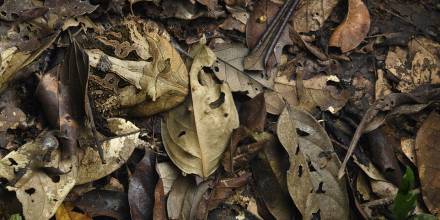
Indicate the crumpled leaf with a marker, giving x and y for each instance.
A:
(349, 34)
(116, 151)
(312, 179)
(196, 134)
(317, 93)
(12, 59)
(311, 15)
(41, 194)
(230, 69)
(427, 161)
(160, 75)
(60, 10)
(104, 203)
(141, 188)
(13, 10)
(421, 68)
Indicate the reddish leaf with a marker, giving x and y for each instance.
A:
(160, 202)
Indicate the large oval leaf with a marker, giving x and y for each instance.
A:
(312, 177)
(196, 134)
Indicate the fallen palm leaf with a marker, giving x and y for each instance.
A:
(196, 134)
(312, 178)
(354, 29)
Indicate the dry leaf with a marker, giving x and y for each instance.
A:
(168, 173)
(12, 59)
(354, 29)
(427, 149)
(116, 151)
(230, 69)
(424, 65)
(311, 15)
(177, 196)
(312, 179)
(11, 117)
(196, 134)
(105, 203)
(317, 93)
(160, 75)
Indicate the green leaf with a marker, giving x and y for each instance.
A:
(406, 198)
(424, 216)
(15, 217)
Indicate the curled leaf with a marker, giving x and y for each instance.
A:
(354, 29)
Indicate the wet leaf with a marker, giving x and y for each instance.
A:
(312, 178)
(196, 134)
(104, 203)
(426, 148)
(349, 34)
(141, 188)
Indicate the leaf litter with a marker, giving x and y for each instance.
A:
(205, 109)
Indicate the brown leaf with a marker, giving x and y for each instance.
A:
(252, 113)
(105, 203)
(311, 15)
(268, 170)
(11, 117)
(349, 34)
(222, 190)
(141, 188)
(65, 212)
(176, 196)
(427, 149)
(62, 91)
(312, 178)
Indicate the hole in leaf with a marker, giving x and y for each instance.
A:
(302, 133)
(225, 115)
(181, 133)
(310, 165)
(320, 188)
(221, 99)
(300, 170)
(3, 13)
(216, 69)
(55, 178)
(150, 59)
(14, 16)
(297, 150)
(30, 191)
(13, 162)
(316, 215)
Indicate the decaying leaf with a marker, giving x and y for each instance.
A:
(312, 179)
(104, 203)
(159, 80)
(427, 161)
(116, 151)
(41, 194)
(11, 117)
(196, 134)
(417, 66)
(354, 29)
(311, 15)
(141, 188)
(317, 93)
(230, 69)
(12, 59)
(269, 172)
